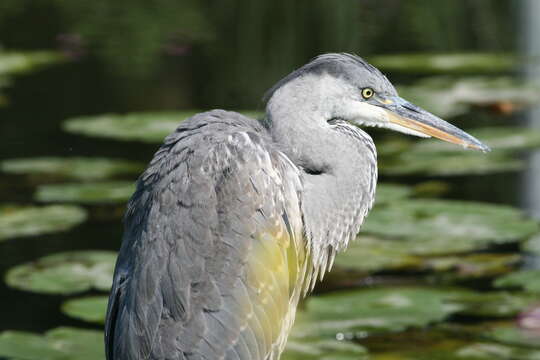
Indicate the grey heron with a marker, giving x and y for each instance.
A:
(235, 219)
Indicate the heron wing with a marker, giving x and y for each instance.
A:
(212, 260)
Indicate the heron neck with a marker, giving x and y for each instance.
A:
(339, 172)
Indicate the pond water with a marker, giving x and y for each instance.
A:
(426, 279)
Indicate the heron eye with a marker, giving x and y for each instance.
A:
(367, 93)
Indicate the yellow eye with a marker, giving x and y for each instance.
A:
(367, 93)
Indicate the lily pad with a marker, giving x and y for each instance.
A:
(500, 139)
(57, 344)
(532, 245)
(18, 221)
(65, 273)
(473, 265)
(494, 351)
(76, 168)
(512, 335)
(444, 63)
(443, 227)
(317, 349)
(368, 253)
(460, 350)
(391, 192)
(12, 63)
(447, 96)
(91, 308)
(357, 313)
(492, 304)
(149, 127)
(528, 280)
(449, 164)
(86, 193)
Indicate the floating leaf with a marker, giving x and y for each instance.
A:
(86, 193)
(91, 308)
(442, 227)
(529, 280)
(447, 96)
(512, 335)
(444, 63)
(438, 158)
(76, 168)
(318, 349)
(17, 221)
(62, 343)
(148, 127)
(12, 63)
(374, 310)
(449, 164)
(492, 303)
(500, 139)
(532, 245)
(493, 351)
(473, 265)
(65, 273)
(368, 253)
(391, 192)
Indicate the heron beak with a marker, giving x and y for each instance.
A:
(404, 114)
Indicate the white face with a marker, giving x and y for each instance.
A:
(364, 106)
(325, 97)
(346, 102)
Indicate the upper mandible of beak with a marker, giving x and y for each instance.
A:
(407, 115)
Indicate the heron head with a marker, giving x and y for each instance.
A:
(346, 87)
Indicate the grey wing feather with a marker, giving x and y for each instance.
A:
(212, 215)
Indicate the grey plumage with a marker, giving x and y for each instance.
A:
(233, 220)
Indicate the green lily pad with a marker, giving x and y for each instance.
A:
(444, 63)
(149, 127)
(443, 227)
(449, 164)
(500, 139)
(18, 221)
(460, 350)
(357, 313)
(86, 193)
(447, 96)
(391, 192)
(512, 335)
(317, 349)
(65, 273)
(62, 343)
(76, 168)
(12, 63)
(493, 304)
(493, 351)
(532, 245)
(90, 308)
(473, 265)
(368, 253)
(528, 280)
